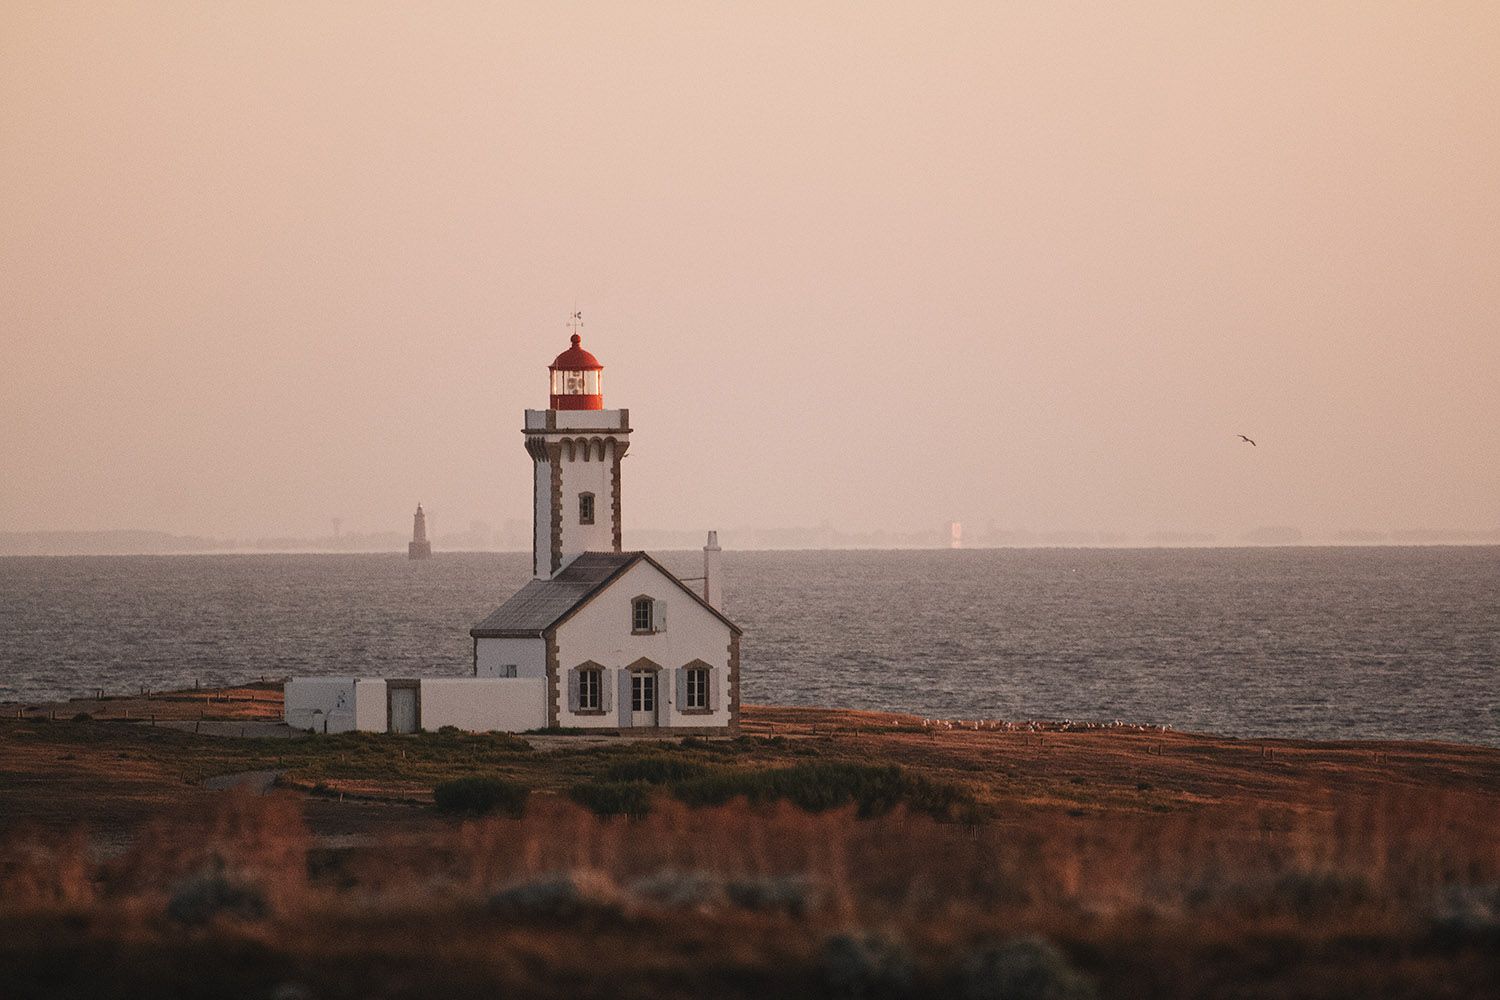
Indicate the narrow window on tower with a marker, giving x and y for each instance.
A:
(585, 508)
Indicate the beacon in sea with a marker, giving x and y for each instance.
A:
(419, 547)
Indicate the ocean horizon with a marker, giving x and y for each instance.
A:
(1365, 642)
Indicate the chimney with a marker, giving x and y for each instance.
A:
(713, 573)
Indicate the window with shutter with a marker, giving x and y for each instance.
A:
(695, 688)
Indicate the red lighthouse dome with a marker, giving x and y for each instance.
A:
(577, 379)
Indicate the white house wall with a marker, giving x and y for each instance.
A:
(528, 655)
(601, 632)
(483, 705)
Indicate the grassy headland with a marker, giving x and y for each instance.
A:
(822, 852)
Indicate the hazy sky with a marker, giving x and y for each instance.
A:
(266, 264)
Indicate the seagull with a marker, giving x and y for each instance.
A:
(1252, 443)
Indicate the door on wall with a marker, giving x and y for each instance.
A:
(403, 706)
(643, 698)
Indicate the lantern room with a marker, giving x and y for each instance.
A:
(577, 379)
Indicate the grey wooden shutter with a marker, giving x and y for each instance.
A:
(659, 622)
(681, 686)
(573, 690)
(624, 698)
(606, 691)
(713, 689)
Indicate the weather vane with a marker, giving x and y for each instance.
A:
(575, 321)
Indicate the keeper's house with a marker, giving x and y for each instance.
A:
(599, 639)
(623, 645)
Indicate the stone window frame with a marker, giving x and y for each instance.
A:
(708, 707)
(600, 673)
(586, 508)
(653, 623)
(697, 687)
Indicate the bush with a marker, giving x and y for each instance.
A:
(478, 795)
(1467, 914)
(83, 717)
(681, 890)
(865, 966)
(1311, 895)
(819, 786)
(198, 899)
(789, 894)
(613, 798)
(1022, 969)
(656, 769)
(565, 895)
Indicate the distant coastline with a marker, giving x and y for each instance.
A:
(141, 542)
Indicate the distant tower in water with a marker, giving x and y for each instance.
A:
(419, 547)
(955, 535)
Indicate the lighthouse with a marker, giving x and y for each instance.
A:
(600, 639)
(575, 447)
(419, 547)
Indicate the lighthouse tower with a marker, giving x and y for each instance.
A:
(419, 547)
(575, 446)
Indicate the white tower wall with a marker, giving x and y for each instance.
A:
(575, 453)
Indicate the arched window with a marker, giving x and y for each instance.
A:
(585, 508)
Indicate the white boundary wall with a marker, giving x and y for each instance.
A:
(335, 704)
(372, 711)
(484, 704)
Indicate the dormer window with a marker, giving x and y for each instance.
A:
(585, 508)
(643, 616)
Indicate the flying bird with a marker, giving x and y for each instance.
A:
(1252, 443)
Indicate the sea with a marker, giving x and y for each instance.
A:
(1275, 642)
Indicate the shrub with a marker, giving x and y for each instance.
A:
(789, 894)
(1466, 914)
(819, 786)
(564, 895)
(613, 798)
(687, 890)
(198, 899)
(1315, 894)
(655, 769)
(83, 717)
(865, 966)
(1022, 969)
(478, 795)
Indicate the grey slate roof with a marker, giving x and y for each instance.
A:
(541, 604)
(537, 605)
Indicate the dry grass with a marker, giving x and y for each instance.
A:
(1146, 904)
(1161, 864)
